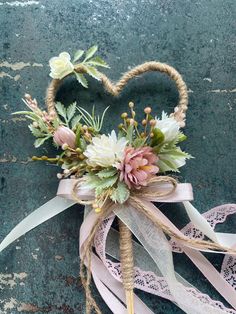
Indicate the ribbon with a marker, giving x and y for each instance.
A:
(182, 293)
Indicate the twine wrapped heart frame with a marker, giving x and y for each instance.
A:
(136, 214)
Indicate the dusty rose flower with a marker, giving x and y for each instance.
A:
(64, 135)
(138, 166)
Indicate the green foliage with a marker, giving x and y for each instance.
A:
(71, 111)
(172, 159)
(182, 137)
(97, 61)
(107, 173)
(130, 132)
(78, 55)
(121, 193)
(30, 114)
(75, 121)
(90, 52)
(158, 137)
(35, 131)
(105, 183)
(41, 132)
(91, 120)
(92, 181)
(90, 64)
(61, 110)
(81, 79)
(66, 113)
(39, 141)
(100, 184)
(139, 142)
(93, 72)
(78, 136)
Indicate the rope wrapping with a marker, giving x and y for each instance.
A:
(115, 89)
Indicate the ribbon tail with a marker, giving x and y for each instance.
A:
(115, 294)
(200, 222)
(154, 241)
(50, 209)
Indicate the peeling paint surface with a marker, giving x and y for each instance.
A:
(40, 272)
(19, 65)
(20, 3)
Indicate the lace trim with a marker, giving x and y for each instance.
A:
(214, 216)
(149, 282)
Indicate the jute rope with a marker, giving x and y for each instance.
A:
(115, 89)
(85, 271)
(127, 264)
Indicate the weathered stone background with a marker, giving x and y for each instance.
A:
(39, 273)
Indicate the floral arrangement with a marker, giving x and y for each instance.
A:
(124, 174)
(111, 164)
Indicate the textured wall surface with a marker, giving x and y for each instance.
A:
(39, 273)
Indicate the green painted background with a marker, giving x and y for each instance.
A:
(39, 273)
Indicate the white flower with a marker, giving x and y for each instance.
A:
(105, 151)
(61, 66)
(168, 126)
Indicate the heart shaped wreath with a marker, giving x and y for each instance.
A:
(121, 175)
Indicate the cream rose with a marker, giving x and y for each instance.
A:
(61, 66)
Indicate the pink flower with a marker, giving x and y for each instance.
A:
(64, 135)
(138, 166)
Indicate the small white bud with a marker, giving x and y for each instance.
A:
(64, 146)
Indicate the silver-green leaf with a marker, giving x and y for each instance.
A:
(81, 79)
(107, 173)
(105, 183)
(78, 55)
(121, 193)
(90, 52)
(71, 111)
(36, 132)
(40, 141)
(93, 72)
(75, 121)
(97, 61)
(61, 110)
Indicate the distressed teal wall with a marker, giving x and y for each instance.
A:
(39, 273)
